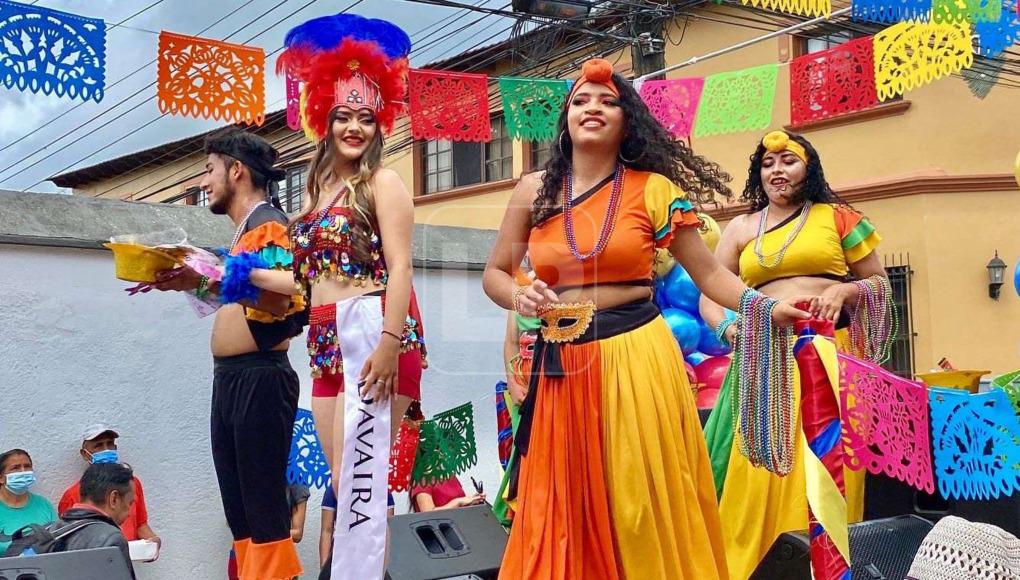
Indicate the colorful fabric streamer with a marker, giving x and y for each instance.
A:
(52, 52)
(993, 38)
(952, 11)
(531, 107)
(200, 77)
(446, 446)
(911, 54)
(975, 443)
(886, 423)
(402, 454)
(293, 89)
(805, 7)
(307, 464)
(737, 101)
(449, 106)
(833, 82)
(815, 354)
(504, 427)
(891, 11)
(674, 102)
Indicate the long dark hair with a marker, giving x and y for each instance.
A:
(648, 144)
(815, 188)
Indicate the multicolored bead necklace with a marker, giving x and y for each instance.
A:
(763, 410)
(875, 321)
(607, 225)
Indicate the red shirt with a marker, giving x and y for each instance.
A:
(138, 516)
(442, 493)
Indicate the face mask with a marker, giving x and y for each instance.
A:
(18, 483)
(108, 456)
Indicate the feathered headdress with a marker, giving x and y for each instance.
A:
(348, 60)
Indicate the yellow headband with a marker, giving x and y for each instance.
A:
(778, 141)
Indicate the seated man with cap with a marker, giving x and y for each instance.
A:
(99, 445)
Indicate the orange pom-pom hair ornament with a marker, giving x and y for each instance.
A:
(347, 60)
(596, 70)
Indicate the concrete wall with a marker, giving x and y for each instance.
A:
(77, 349)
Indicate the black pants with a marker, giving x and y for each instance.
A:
(254, 401)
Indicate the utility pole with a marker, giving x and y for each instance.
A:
(648, 52)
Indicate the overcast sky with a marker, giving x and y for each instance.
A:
(129, 49)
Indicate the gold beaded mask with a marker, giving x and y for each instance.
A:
(566, 322)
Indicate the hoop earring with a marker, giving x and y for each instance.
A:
(559, 143)
(626, 161)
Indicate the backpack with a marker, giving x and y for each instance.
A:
(36, 539)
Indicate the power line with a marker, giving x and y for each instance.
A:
(107, 146)
(110, 86)
(182, 145)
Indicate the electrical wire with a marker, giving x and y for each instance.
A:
(107, 146)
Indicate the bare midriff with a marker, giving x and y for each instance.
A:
(231, 336)
(806, 286)
(605, 296)
(331, 291)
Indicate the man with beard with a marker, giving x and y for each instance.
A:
(255, 390)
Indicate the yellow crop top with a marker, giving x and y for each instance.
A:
(833, 237)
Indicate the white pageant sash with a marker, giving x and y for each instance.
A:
(359, 547)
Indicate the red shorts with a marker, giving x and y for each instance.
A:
(326, 352)
(408, 378)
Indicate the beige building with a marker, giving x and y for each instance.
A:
(933, 170)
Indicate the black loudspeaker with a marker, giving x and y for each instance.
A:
(95, 564)
(446, 543)
(1003, 512)
(879, 550)
(885, 497)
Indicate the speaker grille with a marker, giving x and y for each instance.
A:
(886, 546)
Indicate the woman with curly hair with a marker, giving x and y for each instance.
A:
(798, 238)
(614, 479)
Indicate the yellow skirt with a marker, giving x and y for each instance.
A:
(757, 506)
(617, 481)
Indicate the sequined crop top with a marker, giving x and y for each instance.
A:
(323, 251)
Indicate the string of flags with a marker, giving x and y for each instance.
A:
(964, 444)
(48, 51)
(425, 452)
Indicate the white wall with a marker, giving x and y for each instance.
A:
(76, 349)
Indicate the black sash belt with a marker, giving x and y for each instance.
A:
(546, 362)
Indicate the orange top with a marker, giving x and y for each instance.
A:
(651, 209)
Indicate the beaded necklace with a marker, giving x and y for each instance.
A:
(317, 223)
(244, 222)
(875, 320)
(763, 410)
(607, 225)
(770, 261)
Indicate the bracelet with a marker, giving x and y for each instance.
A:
(516, 299)
(722, 327)
(394, 335)
(203, 288)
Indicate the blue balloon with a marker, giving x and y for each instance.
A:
(685, 329)
(680, 290)
(696, 358)
(1016, 279)
(711, 345)
(660, 294)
